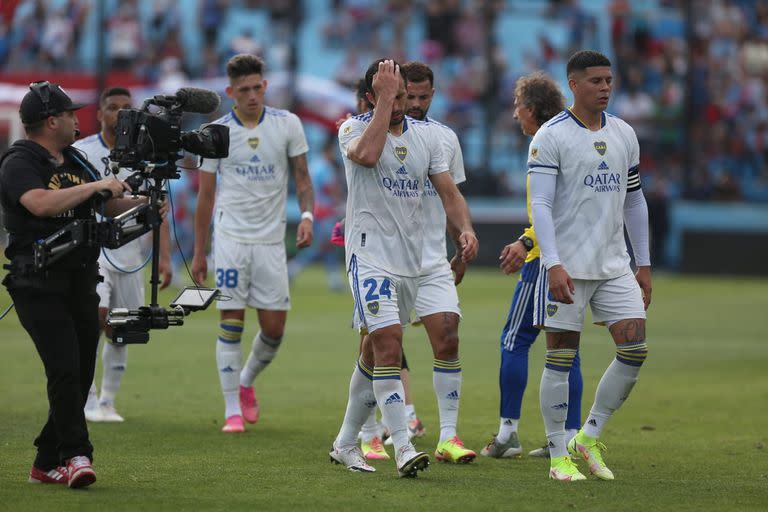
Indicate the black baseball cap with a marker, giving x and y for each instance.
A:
(45, 99)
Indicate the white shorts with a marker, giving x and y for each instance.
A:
(381, 299)
(437, 293)
(120, 290)
(252, 274)
(611, 300)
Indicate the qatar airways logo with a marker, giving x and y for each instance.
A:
(401, 187)
(257, 172)
(429, 190)
(603, 180)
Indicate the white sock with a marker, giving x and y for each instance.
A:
(228, 356)
(553, 399)
(370, 428)
(389, 392)
(446, 379)
(262, 353)
(507, 427)
(113, 358)
(410, 411)
(570, 434)
(614, 387)
(361, 405)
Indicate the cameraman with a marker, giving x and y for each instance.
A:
(44, 186)
(121, 287)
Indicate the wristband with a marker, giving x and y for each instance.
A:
(307, 215)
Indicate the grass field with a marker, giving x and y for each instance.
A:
(692, 437)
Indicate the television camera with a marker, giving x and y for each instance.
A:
(149, 143)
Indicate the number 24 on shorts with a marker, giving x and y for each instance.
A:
(370, 285)
(226, 278)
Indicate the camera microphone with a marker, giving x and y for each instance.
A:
(201, 101)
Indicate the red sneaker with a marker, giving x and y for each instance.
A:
(57, 475)
(81, 473)
(249, 404)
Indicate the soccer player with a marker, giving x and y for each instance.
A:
(437, 302)
(585, 189)
(372, 432)
(123, 285)
(537, 99)
(388, 159)
(249, 224)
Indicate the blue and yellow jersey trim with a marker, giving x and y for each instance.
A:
(582, 123)
(239, 121)
(104, 142)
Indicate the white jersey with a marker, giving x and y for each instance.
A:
(131, 255)
(433, 254)
(384, 225)
(594, 170)
(253, 179)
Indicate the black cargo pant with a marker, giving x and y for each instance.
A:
(59, 310)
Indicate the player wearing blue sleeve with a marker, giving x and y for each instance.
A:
(585, 190)
(249, 225)
(537, 100)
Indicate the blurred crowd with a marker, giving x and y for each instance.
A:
(477, 49)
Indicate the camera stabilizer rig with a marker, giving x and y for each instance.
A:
(150, 144)
(129, 325)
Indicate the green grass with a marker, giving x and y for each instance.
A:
(692, 436)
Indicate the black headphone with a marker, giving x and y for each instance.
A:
(43, 91)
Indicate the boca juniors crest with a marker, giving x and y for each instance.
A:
(373, 307)
(600, 147)
(401, 152)
(253, 142)
(551, 309)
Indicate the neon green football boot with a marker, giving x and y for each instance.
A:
(590, 449)
(452, 450)
(563, 469)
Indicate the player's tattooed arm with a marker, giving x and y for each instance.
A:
(306, 197)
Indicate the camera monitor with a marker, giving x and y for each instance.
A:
(195, 299)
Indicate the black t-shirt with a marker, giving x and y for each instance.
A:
(27, 166)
